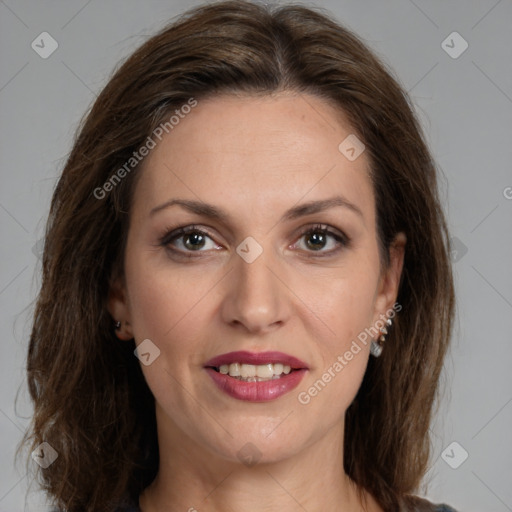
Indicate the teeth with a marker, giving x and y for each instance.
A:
(253, 373)
(278, 368)
(247, 370)
(234, 370)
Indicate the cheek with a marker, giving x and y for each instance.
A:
(173, 308)
(343, 350)
(344, 307)
(344, 304)
(169, 308)
(161, 297)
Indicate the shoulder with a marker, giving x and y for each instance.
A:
(417, 504)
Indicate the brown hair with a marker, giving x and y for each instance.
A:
(92, 404)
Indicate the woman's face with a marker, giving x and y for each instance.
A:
(253, 176)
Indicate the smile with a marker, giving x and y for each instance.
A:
(256, 377)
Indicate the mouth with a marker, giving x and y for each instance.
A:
(256, 377)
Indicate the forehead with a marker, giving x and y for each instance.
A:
(255, 152)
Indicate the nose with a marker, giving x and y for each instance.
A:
(256, 297)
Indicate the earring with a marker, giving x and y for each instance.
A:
(117, 325)
(376, 347)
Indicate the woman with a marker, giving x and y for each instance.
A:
(246, 295)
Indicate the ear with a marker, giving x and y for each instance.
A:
(389, 281)
(119, 308)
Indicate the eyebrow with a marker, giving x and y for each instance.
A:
(301, 210)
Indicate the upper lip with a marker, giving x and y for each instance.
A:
(256, 358)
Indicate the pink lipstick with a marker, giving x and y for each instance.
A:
(256, 376)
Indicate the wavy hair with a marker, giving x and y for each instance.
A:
(91, 402)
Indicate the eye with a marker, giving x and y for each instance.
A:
(188, 239)
(322, 240)
(185, 241)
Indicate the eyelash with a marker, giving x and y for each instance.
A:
(172, 235)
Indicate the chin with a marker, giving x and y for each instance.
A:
(267, 442)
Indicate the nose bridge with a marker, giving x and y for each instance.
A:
(256, 298)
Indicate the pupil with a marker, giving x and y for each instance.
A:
(318, 238)
(194, 241)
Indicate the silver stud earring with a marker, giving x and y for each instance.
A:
(376, 346)
(117, 325)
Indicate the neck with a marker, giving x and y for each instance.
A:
(191, 478)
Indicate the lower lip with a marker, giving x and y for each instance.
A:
(262, 391)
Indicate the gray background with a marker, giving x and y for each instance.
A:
(465, 105)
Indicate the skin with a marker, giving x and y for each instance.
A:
(254, 157)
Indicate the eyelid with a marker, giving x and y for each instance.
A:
(327, 228)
